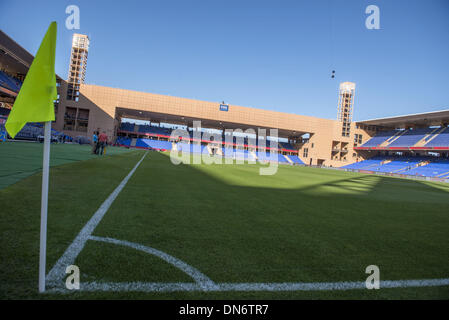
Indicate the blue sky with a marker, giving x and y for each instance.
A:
(275, 55)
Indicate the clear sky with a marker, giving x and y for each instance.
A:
(275, 55)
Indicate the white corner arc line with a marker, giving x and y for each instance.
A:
(204, 282)
(57, 273)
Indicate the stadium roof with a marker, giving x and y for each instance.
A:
(205, 122)
(13, 57)
(434, 118)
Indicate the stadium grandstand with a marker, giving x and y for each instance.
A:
(409, 145)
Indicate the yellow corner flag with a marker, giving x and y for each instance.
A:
(34, 103)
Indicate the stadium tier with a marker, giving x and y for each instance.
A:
(379, 138)
(123, 141)
(282, 159)
(286, 146)
(4, 112)
(435, 168)
(154, 144)
(366, 164)
(9, 82)
(295, 159)
(410, 137)
(441, 140)
(148, 130)
(416, 166)
(238, 154)
(226, 152)
(419, 138)
(127, 126)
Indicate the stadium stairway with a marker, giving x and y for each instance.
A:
(434, 168)
(392, 139)
(282, 159)
(408, 168)
(410, 137)
(441, 138)
(387, 142)
(428, 137)
(133, 142)
(443, 175)
(288, 159)
(295, 159)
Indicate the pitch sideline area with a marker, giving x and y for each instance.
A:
(21, 159)
(303, 224)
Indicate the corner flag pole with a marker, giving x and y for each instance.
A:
(35, 103)
(44, 206)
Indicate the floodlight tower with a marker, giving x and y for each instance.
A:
(77, 66)
(345, 106)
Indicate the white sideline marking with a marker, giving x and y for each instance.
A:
(276, 287)
(202, 280)
(57, 273)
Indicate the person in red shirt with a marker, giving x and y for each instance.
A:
(103, 140)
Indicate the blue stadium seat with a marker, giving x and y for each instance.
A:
(9, 82)
(410, 138)
(296, 159)
(379, 138)
(286, 146)
(441, 140)
(154, 144)
(127, 126)
(428, 166)
(124, 141)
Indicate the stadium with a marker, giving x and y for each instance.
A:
(345, 195)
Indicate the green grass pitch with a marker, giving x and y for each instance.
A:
(300, 225)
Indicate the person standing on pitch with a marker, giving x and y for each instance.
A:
(94, 142)
(103, 139)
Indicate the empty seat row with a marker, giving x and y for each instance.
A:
(441, 140)
(154, 144)
(379, 138)
(9, 82)
(410, 137)
(295, 159)
(422, 166)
